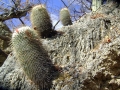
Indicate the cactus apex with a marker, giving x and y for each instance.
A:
(39, 6)
(65, 9)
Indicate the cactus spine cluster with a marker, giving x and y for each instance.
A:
(65, 17)
(33, 58)
(40, 20)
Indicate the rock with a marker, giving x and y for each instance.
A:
(12, 76)
(88, 52)
(5, 36)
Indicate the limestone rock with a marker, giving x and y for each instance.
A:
(88, 52)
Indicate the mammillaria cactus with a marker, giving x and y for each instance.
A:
(33, 58)
(41, 21)
(65, 17)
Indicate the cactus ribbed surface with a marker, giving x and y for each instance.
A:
(96, 4)
(40, 20)
(33, 58)
(65, 17)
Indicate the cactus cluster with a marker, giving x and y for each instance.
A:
(28, 49)
(65, 17)
(32, 57)
(41, 21)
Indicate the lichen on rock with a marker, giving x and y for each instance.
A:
(88, 52)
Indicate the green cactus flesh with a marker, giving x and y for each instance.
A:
(32, 57)
(40, 20)
(65, 17)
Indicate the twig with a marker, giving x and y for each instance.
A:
(21, 21)
(85, 5)
(71, 3)
(6, 4)
(14, 14)
(17, 4)
(64, 3)
(56, 24)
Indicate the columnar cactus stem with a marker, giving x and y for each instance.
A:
(65, 17)
(33, 58)
(96, 4)
(41, 21)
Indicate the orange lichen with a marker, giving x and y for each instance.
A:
(97, 15)
(106, 39)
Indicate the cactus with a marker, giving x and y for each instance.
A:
(65, 17)
(96, 4)
(33, 58)
(41, 21)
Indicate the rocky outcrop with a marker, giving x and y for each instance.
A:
(5, 36)
(88, 52)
